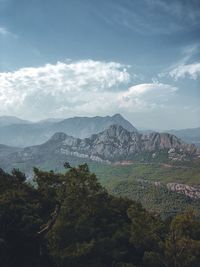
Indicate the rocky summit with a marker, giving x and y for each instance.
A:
(19, 133)
(109, 146)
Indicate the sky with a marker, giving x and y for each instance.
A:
(66, 58)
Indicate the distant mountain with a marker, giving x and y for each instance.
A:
(26, 134)
(5, 151)
(86, 126)
(50, 120)
(9, 120)
(112, 145)
(188, 135)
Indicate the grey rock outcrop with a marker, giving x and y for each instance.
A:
(190, 191)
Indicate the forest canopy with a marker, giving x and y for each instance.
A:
(69, 219)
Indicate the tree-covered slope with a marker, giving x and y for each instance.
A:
(69, 220)
(147, 183)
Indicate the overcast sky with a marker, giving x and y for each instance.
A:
(64, 58)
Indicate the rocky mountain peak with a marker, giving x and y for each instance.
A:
(120, 120)
(111, 145)
(116, 135)
(118, 116)
(59, 137)
(23, 134)
(116, 130)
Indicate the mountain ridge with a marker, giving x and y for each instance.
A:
(22, 135)
(190, 135)
(10, 120)
(109, 146)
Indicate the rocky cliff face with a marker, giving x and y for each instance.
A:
(111, 145)
(117, 143)
(190, 191)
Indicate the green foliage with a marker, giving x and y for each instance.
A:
(110, 175)
(69, 220)
(183, 241)
(92, 226)
(157, 199)
(137, 182)
(20, 218)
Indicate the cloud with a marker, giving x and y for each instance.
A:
(184, 11)
(190, 70)
(3, 31)
(185, 66)
(190, 51)
(143, 97)
(54, 87)
(155, 17)
(77, 88)
(6, 33)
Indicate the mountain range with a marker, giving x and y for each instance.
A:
(109, 146)
(20, 133)
(106, 143)
(188, 135)
(9, 120)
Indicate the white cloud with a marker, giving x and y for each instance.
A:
(77, 89)
(55, 87)
(184, 66)
(190, 70)
(143, 97)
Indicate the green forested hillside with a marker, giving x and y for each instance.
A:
(69, 220)
(156, 199)
(110, 174)
(137, 182)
